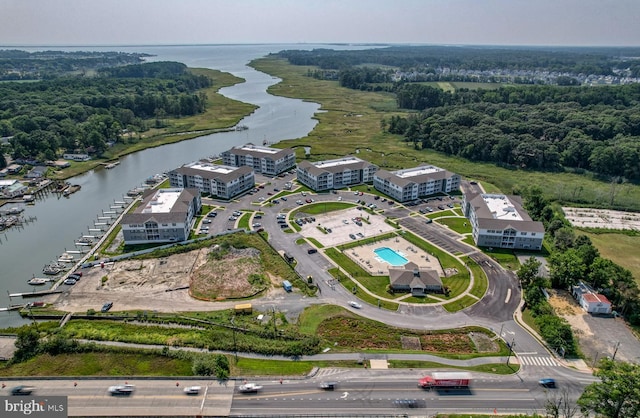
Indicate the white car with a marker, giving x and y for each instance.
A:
(249, 388)
(354, 304)
(192, 390)
(122, 389)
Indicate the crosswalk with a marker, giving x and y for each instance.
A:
(538, 361)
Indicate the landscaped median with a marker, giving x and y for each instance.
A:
(55, 351)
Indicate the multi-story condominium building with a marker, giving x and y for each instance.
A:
(220, 181)
(265, 160)
(500, 221)
(165, 215)
(335, 174)
(413, 183)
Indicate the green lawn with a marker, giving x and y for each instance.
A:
(460, 225)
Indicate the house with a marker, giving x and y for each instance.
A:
(220, 181)
(265, 160)
(413, 183)
(165, 215)
(12, 188)
(590, 300)
(37, 172)
(335, 174)
(14, 168)
(411, 278)
(500, 221)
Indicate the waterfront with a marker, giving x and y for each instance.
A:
(59, 221)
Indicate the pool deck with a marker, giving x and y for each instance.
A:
(367, 258)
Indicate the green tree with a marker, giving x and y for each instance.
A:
(222, 368)
(27, 345)
(566, 269)
(528, 271)
(617, 394)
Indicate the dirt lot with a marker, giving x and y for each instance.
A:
(597, 336)
(601, 218)
(161, 284)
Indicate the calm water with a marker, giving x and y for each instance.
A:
(58, 222)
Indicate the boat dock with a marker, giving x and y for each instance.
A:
(109, 166)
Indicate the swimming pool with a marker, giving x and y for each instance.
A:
(390, 256)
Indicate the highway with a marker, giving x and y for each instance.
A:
(373, 392)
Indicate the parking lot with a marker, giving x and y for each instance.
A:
(601, 218)
(342, 226)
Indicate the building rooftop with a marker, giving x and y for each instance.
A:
(417, 171)
(337, 162)
(212, 168)
(501, 207)
(258, 148)
(162, 201)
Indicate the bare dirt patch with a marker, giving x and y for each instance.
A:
(237, 274)
(410, 343)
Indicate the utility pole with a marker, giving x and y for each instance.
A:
(235, 347)
(615, 350)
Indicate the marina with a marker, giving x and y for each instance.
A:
(60, 221)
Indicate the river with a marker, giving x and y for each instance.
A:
(56, 222)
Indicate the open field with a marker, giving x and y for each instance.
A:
(619, 248)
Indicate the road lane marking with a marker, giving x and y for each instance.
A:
(506, 300)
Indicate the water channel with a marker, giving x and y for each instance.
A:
(57, 222)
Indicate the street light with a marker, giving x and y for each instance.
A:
(513, 344)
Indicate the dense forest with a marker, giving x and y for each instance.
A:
(566, 124)
(86, 114)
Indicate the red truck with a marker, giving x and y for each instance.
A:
(446, 380)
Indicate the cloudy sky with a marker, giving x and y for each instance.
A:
(151, 22)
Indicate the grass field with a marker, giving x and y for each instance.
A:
(620, 248)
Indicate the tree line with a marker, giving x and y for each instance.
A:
(596, 129)
(574, 60)
(86, 114)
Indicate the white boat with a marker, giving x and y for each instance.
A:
(51, 270)
(65, 256)
(37, 281)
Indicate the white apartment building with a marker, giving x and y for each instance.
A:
(265, 160)
(500, 221)
(335, 174)
(413, 183)
(221, 181)
(165, 215)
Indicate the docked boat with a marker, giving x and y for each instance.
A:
(71, 189)
(54, 268)
(37, 281)
(66, 258)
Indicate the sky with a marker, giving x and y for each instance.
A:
(461, 22)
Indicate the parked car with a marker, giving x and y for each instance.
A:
(206, 221)
(192, 390)
(106, 307)
(352, 236)
(74, 277)
(212, 214)
(284, 198)
(22, 390)
(70, 282)
(428, 221)
(122, 389)
(312, 251)
(354, 304)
